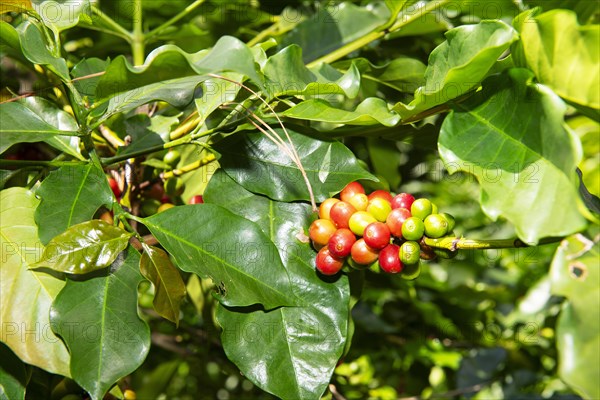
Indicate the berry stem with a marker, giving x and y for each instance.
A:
(456, 243)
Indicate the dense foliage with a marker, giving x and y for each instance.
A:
(162, 161)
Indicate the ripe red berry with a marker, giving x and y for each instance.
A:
(197, 199)
(114, 186)
(395, 220)
(377, 235)
(350, 190)
(382, 194)
(327, 264)
(403, 200)
(363, 254)
(389, 259)
(340, 243)
(340, 214)
(320, 231)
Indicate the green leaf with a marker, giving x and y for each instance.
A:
(243, 262)
(586, 10)
(35, 49)
(562, 54)
(70, 195)
(216, 92)
(259, 165)
(458, 65)
(170, 62)
(26, 295)
(98, 320)
(331, 27)
(19, 124)
(144, 132)
(574, 274)
(521, 153)
(169, 289)
(13, 375)
(85, 247)
(372, 111)
(286, 74)
(62, 14)
(306, 341)
(86, 84)
(59, 119)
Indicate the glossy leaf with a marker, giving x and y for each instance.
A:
(62, 14)
(21, 125)
(33, 45)
(286, 74)
(26, 295)
(169, 289)
(332, 27)
(85, 247)
(372, 111)
(86, 84)
(574, 274)
(70, 195)
(13, 375)
(586, 10)
(459, 64)
(58, 118)
(520, 151)
(306, 341)
(260, 166)
(98, 320)
(216, 92)
(170, 62)
(144, 132)
(241, 260)
(562, 54)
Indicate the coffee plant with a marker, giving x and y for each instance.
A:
(300, 199)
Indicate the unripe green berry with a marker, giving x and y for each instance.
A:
(413, 229)
(436, 226)
(421, 208)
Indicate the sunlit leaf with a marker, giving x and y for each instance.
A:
(520, 151)
(26, 295)
(574, 274)
(84, 247)
(62, 14)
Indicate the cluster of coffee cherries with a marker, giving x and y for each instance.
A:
(376, 231)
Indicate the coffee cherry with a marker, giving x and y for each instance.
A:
(360, 201)
(436, 226)
(197, 199)
(402, 200)
(165, 206)
(172, 158)
(325, 208)
(421, 208)
(377, 235)
(411, 271)
(320, 231)
(340, 243)
(359, 221)
(450, 220)
(327, 264)
(395, 220)
(409, 252)
(107, 216)
(149, 207)
(114, 186)
(379, 208)
(381, 194)
(174, 186)
(350, 190)
(389, 261)
(340, 213)
(363, 254)
(413, 229)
